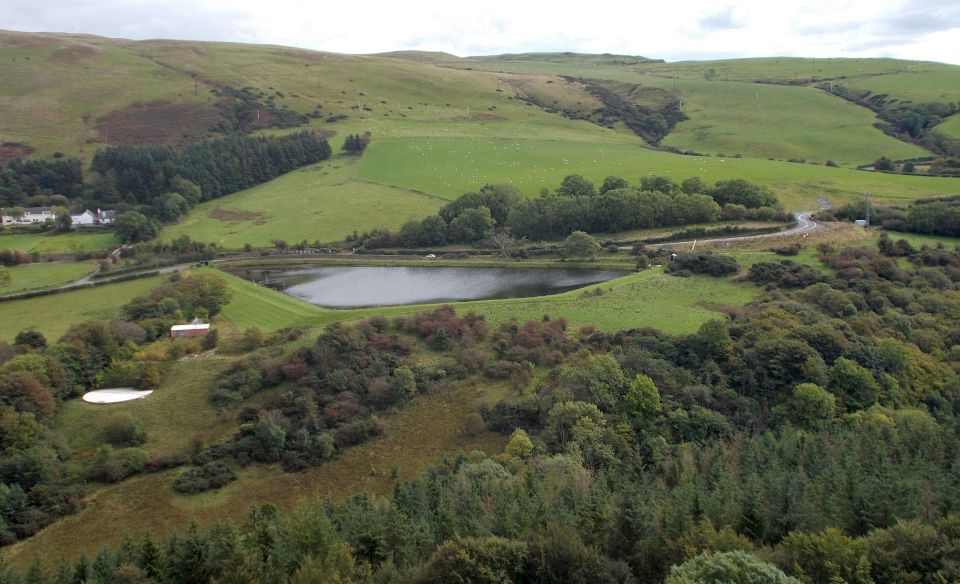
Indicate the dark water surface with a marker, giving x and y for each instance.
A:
(353, 286)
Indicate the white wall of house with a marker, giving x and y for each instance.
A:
(85, 218)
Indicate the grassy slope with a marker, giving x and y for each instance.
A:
(176, 412)
(940, 85)
(425, 104)
(53, 315)
(33, 276)
(57, 243)
(50, 103)
(788, 121)
(776, 121)
(451, 166)
(317, 203)
(650, 298)
(417, 436)
(951, 126)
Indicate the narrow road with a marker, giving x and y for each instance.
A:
(804, 224)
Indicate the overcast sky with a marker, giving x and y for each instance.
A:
(697, 29)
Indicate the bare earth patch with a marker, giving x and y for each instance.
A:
(73, 54)
(233, 215)
(480, 118)
(157, 123)
(13, 150)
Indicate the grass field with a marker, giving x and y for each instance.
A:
(449, 167)
(942, 86)
(57, 243)
(269, 310)
(951, 126)
(322, 203)
(43, 275)
(734, 114)
(752, 120)
(766, 69)
(53, 315)
(174, 414)
(647, 299)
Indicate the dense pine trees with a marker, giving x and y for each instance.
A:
(159, 181)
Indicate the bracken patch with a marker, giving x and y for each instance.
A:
(73, 54)
(157, 123)
(13, 150)
(233, 215)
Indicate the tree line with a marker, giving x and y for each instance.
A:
(936, 216)
(579, 205)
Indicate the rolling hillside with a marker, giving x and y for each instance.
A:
(443, 125)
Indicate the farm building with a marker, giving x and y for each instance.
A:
(36, 215)
(106, 217)
(194, 329)
(85, 218)
(29, 216)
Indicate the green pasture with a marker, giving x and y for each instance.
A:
(44, 275)
(646, 299)
(950, 126)
(322, 202)
(920, 86)
(733, 114)
(73, 242)
(450, 167)
(782, 122)
(52, 315)
(252, 305)
(770, 69)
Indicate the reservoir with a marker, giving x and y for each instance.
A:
(355, 286)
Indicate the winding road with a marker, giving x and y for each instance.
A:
(804, 224)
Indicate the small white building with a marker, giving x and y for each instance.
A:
(189, 330)
(31, 216)
(85, 218)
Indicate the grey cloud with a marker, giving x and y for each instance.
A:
(722, 20)
(179, 20)
(920, 16)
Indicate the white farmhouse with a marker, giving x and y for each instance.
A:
(85, 218)
(31, 216)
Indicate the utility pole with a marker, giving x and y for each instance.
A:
(866, 204)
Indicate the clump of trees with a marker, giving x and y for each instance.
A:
(702, 262)
(578, 205)
(356, 143)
